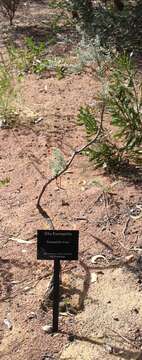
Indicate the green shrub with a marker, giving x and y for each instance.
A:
(123, 141)
(121, 30)
(125, 104)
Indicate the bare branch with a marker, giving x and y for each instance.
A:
(68, 164)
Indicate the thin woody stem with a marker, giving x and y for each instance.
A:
(68, 164)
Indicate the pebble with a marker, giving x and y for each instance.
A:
(47, 357)
(47, 329)
(1, 123)
(109, 348)
(32, 315)
(8, 323)
(71, 337)
(63, 306)
(45, 88)
(39, 120)
(93, 277)
(65, 203)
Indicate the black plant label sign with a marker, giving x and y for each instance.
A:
(57, 244)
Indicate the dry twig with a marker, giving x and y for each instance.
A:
(131, 342)
(126, 227)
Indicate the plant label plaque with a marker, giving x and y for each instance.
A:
(57, 244)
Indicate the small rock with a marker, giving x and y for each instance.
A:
(63, 307)
(82, 188)
(109, 348)
(1, 123)
(63, 314)
(38, 120)
(129, 258)
(47, 329)
(47, 357)
(97, 257)
(65, 203)
(100, 334)
(8, 323)
(32, 315)
(72, 310)
(139, 242)
(71, 337)
(116, 319)
(27, 288)
(136, 311)
(93, 277)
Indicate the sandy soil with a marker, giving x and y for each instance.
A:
(103, 317)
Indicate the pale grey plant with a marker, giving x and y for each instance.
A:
(57, 163)
(91, 51)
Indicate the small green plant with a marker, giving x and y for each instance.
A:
(105, 189)
(34, 49)
(40, 66)
(29, 58)
(60, 72)
(4, 182)
(125, 104)
(8, 112)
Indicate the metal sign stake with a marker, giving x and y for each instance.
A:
(56, 295)
(57, 245)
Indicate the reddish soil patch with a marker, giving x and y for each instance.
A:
(21, 287)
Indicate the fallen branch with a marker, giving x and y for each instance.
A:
(126, 227)
(21, 241)
(129, 341)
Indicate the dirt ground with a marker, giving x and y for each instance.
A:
(102, 318)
